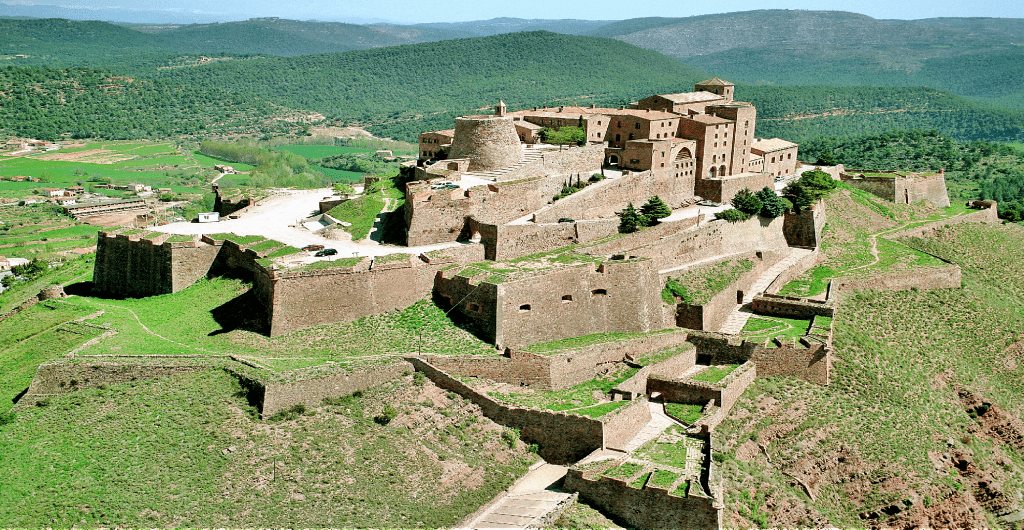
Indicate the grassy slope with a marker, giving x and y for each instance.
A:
(877, 434)
(152, 453)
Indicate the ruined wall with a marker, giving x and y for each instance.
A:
(651, 508)
(931, 188)
(437, 216)
(311, 392)
(616, 297)
(585, 160)
(946, 277)
(305, 298)
(561, 438)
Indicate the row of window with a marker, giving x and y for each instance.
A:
(566, 299)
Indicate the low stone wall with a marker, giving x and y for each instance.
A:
(723, 393)
(561, 438)
(601, 199)
(946, 277)
(650, 508)
(803, 264)
(791, 307)
(674, 366)
(623, 424)
(311, 392)
(724, 189)
(515, 240)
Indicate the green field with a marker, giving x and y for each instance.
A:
(314, 152)
(340, 175)
(209, 161)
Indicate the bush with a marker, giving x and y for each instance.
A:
(418, 378)
(389, 413)
(732, 214)
(7, 418)
(511, 436)
(747, 202)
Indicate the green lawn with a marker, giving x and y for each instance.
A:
(579, 399)
(714, 374)
(685, 412)
(361, 212)
(209, 161)
(697, 286)
(762, 327)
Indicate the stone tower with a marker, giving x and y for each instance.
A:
(717, 86)
(500, 109)
(489, 142)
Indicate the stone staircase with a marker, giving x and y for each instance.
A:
(530, 155)
(529, 503)
(741, 314)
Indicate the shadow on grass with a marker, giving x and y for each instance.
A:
(463, 322)
(244, 312)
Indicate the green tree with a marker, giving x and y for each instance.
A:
(798, 195)
(771, 205)
(818, 182)
(564, 135)
(747, 202)
(655, 210)
(732, 214)
(630, 219)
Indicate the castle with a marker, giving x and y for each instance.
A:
(534, 254)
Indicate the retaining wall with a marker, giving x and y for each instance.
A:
(791, 307)
(511, 241)
(986, 215)
(812, 363)
(723, 393)
(713, 314)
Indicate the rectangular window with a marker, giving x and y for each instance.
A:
(599, 292)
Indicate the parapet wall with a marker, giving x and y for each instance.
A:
(712, 315)
(724, 393)
(724, 189)
(512, 241)
(985, 215)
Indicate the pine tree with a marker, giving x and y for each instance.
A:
(771, 205)
(630, 220)
(747, 202)
(654, 210)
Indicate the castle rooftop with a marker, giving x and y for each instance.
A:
(709, 119)
(771, 144)
(691, 97)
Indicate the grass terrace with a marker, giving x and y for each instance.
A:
(555, 346)
(698, 285)
(685, 412)
(237, 239)
(714, 374)
(331, 263)
(579, 399)
(762, 327)
(360, 212)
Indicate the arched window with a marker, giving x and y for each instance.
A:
(721, 171)
(712, 172)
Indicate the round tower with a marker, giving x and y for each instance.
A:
(489, 142)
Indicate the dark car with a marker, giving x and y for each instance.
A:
(310, 248)
(566, 220)
(326, 252)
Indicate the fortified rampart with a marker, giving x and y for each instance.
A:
(510, 241)
(984, 215)
(722, 395)
(616, 296)
(135, 267)
(945, 277)
(57, 378)
(791, 306)
(901, 188)
(723, 189)
(562, 438)
(489, 142)
(280, 396)
(563, 368)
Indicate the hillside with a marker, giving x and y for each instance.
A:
(389, 85)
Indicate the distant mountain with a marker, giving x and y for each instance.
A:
(108, 14)
(497, 26)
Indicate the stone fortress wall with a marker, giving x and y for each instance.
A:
(901, 187)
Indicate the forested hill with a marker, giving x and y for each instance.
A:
(403, 82)
(65, 42)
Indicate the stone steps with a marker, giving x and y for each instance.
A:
(740, 315)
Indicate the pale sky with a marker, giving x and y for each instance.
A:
(412, 11)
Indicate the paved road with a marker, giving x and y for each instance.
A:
(280, 217)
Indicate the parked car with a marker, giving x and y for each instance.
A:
(566, 220)
(326, 252)
(708, 203)
(310, 248)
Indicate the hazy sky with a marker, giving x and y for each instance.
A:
(411, 11)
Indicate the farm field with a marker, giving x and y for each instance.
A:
(41, 231)
(313, 152)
